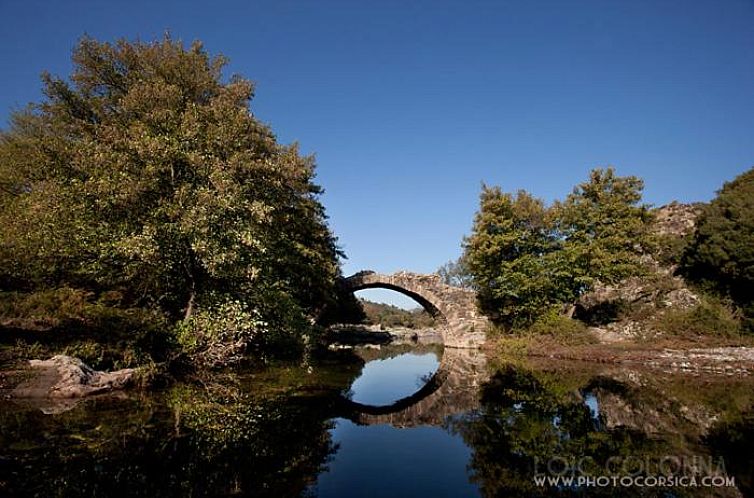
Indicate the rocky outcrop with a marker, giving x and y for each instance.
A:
(676, 219)
(625, 310)
(67, 377)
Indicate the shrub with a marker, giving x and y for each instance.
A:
(44, 309)
(219, 334)
(70, 321)
(668, 249)
(712, 317)
(564, 330)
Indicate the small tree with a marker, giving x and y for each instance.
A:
(456, 273)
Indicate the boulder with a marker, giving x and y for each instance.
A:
(68, 377)
(676, 219)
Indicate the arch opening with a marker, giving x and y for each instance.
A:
(457, 319)
(390, 309)
(423, 302)
(394, 372)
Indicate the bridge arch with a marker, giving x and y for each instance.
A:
(425, 298)
(453, 308)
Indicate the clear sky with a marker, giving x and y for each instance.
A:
(410, 105)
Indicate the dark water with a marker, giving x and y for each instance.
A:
(395, 421)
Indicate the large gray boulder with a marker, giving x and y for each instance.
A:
(68, 377)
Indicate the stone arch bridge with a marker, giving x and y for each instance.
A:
(454, 308)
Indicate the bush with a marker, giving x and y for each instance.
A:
(564, 330)
(70, 321)
(711, 317)
(45, 309)
(668, 249)
(219, 334)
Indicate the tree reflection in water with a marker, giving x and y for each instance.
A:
(529, 417)
(268, 433)
(189, 441)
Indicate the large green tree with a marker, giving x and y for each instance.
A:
(146, 173)
(604, 226)
(721, 253)
(526, 258)
(510, 255)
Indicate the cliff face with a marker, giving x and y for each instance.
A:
(676, 219)
(630, 308)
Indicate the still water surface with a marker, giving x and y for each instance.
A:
(485, 430)
(382, 460)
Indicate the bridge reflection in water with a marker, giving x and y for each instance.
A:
(453, 389)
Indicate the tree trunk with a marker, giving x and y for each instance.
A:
(190, 306)
(191, 301)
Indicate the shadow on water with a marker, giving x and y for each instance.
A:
(473, 429)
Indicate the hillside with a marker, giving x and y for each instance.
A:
(389, 316)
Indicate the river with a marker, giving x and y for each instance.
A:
(394, 421)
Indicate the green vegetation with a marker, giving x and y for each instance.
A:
(532, 263)
(527, 258)
(456, 273)
(389, 316)
(550, 329)
(721, 253)
(144, 185)
(711, 317)
(71, 321)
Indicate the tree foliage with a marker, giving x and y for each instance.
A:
(146, 173)
(510, 254)
(456, 273)
(526, 257)
(721, 253)
(604, 226)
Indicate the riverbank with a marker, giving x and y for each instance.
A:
(710, 356)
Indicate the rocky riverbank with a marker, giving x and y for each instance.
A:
(58, 383)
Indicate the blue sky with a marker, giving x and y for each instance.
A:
(410, 106)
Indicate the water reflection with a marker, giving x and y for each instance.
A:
(484, 430)
(382, 460)
(385, 381)
(402, 448)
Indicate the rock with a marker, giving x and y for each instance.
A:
(676, 219)
(67, 377)
(626, 310)
(681, 298)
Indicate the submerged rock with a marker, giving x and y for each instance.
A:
(68, 377)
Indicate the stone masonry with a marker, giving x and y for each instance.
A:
(461, 324)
